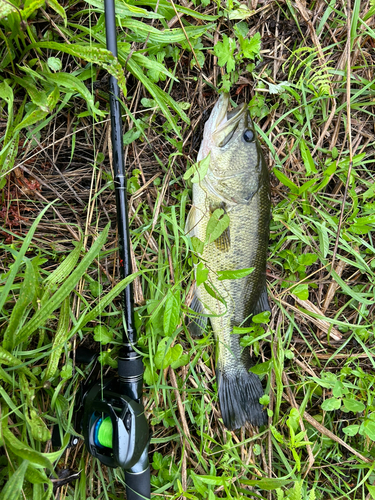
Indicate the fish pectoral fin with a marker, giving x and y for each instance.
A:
(262, 304)
(190, 222)
(222, 243)
(196, 323)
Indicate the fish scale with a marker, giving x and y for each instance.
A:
(236, 181)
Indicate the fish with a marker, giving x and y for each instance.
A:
(237, 183)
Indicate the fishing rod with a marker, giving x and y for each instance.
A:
(109, 413)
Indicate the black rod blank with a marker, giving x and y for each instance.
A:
(130, 335)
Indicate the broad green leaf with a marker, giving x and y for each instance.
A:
(263, 317)
(41, 316)
(306, 259)
(6, 8)
(157, 461)
(23, 450)
(105, 358)
(54, 4)
(218, 223)
(8, 155)
(198, 245)
(339, 389)
(183, 360)
(262, 368)
(171, 312)
(38, 97)
(369, 429)
(30, 7)
(39, 430)
(323, 238)
(302, 291)
(142, 32)
(266, 483)
(198, 170)
(224, 51)
(163, 356)
(328, 380)
(66, 267)
(72, 83)
(36, 475)
(370, 487)
(26, 296)
(96, 288)
(13, 487)
(264, 400)
(213, 293)
(293, 419)
(30, 119)
(150, 376)
(102, 335)
(6, 358)
(6, 93)
(279, 88)
(61, 337)
(351, 430)
(176, 353)
(276, 434)
(124, 9)
(152, 64)
(235, 274)
(66, 371)
(201, 274)
(93, 54)
(331, 404)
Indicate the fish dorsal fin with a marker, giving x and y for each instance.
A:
(196, 323)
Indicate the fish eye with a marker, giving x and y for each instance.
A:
(248, 135)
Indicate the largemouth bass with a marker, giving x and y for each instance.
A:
(237, 182)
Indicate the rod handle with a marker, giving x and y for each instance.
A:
(138, 486)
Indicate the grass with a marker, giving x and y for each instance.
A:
(308, 77)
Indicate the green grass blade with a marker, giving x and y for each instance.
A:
(13, 487)
(20, 256)
(55, 301)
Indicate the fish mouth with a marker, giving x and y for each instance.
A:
(226, 125)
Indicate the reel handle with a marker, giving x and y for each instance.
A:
(138, 486)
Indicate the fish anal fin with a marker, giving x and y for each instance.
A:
(239, 395)
(196, 323)
(262, 304)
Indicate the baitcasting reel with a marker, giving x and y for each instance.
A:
(114, 426)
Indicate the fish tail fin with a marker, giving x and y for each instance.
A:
(239, 395)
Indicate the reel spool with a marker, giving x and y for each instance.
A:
(114, 427)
